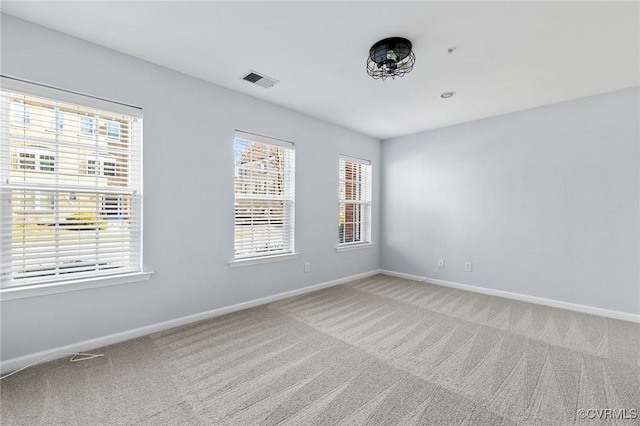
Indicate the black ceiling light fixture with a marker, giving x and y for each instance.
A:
(391, 57)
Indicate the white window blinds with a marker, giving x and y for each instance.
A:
(354, 222)
(264, 196)
(70, 189)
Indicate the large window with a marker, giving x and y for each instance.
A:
(354, 223)
(264, 196)
(70, 193)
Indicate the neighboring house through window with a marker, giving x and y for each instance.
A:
(101, 165)
(264, 196)
(87, 126)
(20, 114)
(71, 206)
(354, 222)
(55, 120)
(113, 130)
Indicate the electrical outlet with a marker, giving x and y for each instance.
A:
(468, 266)
(307, 267)
(440, 263)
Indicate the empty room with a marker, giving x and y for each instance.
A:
(319, 213)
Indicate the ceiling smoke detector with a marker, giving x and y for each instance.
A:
(259, 79)
(391, 57)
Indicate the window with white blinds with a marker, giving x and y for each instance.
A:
(354, 222)
(264, 196)
(70, 169)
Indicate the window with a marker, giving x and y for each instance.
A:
(112, 208)
(113, 130)
(354, 222)
(55, 120)
(67, 218)
(109, 168)
(264, 196)
(27, 161)
(35, 158)
(87, 126)
(20, 114)
(101, 166)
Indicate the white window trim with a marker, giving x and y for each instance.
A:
(13, 293)
(239, 134)
(355, 160)
(354, 246)
(63, 95)
(248, 261)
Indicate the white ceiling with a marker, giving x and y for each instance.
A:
(509, 56)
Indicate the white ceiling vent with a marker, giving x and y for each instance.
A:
(259, 79)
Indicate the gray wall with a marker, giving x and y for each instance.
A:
(188, 197)
(544, 202)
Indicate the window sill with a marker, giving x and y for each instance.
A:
(264, 259)
(72, 285)
(357, 246)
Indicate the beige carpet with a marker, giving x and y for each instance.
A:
(376, 351)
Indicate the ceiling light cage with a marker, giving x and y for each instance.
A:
(391, 57)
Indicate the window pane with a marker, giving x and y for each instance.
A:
(47, 163)
(113, 130)
(20, 113)
(86, 126)
(27, 161)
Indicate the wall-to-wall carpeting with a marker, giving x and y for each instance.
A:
(375, 351)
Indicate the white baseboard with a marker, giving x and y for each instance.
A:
(624, 316)
(403, 275)
(87, 345)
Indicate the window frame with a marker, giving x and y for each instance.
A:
(287, 213)
(12, 288)
(364, 225)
